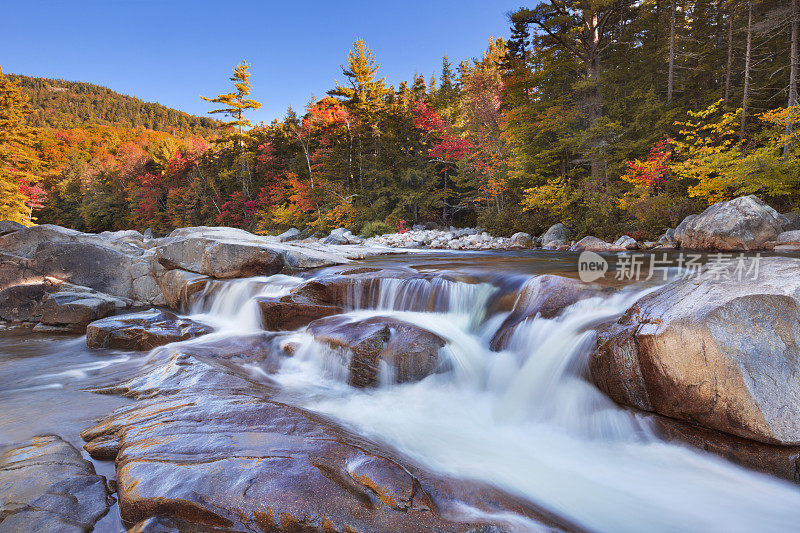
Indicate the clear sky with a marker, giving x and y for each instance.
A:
(173, 51)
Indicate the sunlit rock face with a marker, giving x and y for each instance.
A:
(207, 447)
(46, 485)
(721, 353)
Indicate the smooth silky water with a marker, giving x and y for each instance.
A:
(525, 419)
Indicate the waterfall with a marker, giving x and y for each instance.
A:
(525, 419)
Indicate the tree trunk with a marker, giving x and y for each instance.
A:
(747, 67)
(594, 100)
(729, 66)
(671, 76)
(792, 105)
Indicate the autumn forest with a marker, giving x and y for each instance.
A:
(609, 116)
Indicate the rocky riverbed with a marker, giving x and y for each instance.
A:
(222, 381)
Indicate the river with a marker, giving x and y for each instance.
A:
(524, 419)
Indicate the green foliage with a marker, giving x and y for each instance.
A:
(375, 228)
(68, 104)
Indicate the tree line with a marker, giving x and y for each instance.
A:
(611, 116)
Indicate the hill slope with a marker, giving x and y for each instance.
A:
(67, 104)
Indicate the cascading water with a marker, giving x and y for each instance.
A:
(525, 419)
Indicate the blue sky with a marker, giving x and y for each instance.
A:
(173, 51)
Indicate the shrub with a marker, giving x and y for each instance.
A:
(374, 228)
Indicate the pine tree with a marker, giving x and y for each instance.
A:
(17, 196)
(365, 99)
(235, 104)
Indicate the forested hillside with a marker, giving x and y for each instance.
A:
(68, 104)
(611, 117)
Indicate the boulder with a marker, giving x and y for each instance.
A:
(556, 232)
(793, 221)
(745, 223)
(24, 242)
(71, 307)
(81, 263)
(338, 236)
(788, 241)
(20, 303)
(179, 286)
(521, 240)
(410, 353)
(669, 236)
(292, 234)
(218, 258)
(721, 353)
(15, 270)
(231, 460)
(545, 296)
(286, 314)
(9, 226)
(628, 243)
(593, 244)
(142, 331)
(48, 486)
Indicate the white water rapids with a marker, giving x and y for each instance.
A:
(525, 419)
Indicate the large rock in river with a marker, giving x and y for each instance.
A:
(56, 305)
(408, 352)
(219, 258)
(81, 263)
(722, 354)
(593, 244)
(142, 331)
(745, 223)
(45, 485)
(290, 313)
(556, 233)
(545, 296)
(72, 307)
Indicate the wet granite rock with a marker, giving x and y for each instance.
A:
(286, 314)
(545, 296)
(350, 287)
(71, 307)
(56, 305)
(178, 287)
(408, 352)
(780, 461)
(723, 354)
(20, 303)
(142, 331)
(231, 458)
(46, 485)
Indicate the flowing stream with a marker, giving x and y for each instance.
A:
(525, 419)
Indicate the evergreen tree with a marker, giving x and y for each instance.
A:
(234, 105)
